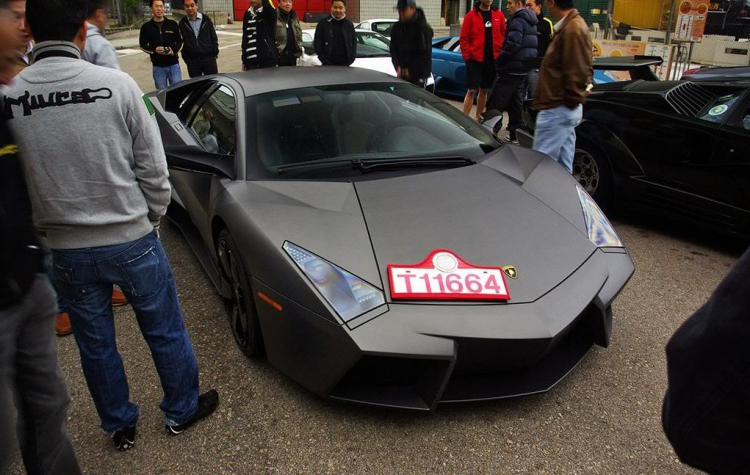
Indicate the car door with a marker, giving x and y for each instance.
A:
(678, 153)
(733, 147)
(211, 124)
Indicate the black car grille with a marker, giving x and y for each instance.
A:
(689, 99)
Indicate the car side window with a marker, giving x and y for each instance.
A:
(214, 122)
(382, 28)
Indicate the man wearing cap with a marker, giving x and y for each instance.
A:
(411, 44)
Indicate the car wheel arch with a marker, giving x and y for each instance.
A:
(621, 160)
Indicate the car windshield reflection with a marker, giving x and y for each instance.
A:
(371, 122)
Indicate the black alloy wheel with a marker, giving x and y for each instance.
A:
(592, 171)
(243, 316)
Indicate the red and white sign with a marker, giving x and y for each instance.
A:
(445, 276)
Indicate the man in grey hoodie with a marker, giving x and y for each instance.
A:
(98, 50)
(100, 203)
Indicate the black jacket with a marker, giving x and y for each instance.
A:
(324, 41)
(206, 45)
(20, 255)
(165, 34)
(520, 42)
(263, 38)
(545, 30)
(706, 414)
(411, 46)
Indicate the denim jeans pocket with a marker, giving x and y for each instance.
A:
(65, 284)
(144, 274)
(571, 117)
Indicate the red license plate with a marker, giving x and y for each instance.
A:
(445, 276)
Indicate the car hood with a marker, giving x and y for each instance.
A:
(482, 215)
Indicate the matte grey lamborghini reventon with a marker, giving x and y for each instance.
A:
(381, 247)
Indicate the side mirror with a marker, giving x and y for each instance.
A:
(194, 159)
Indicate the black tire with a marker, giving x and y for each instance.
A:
(592, 171)
(243, 316)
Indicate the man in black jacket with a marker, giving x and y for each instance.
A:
(510, 85)
(544, 27)
(160, 38)
(200, 44)
(259, 36)
(335, 39)
(411, 44)
(29, 367)
(706, 415)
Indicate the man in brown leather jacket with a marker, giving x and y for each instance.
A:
(564, 77)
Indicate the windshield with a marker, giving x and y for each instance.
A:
(717, 110)
(332, 124)
(371, 45)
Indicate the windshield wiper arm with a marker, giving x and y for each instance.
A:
(368, 165)
(312, 165)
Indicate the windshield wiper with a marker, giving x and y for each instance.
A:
(372, 164)
(369, 165)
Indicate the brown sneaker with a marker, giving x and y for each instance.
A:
(62, 324)
(118, 298)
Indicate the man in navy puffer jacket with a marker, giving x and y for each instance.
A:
(510, 84)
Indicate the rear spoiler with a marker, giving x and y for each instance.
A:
(639, 66)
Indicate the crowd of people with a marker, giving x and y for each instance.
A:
(98, 206)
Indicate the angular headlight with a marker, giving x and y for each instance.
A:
(601, 232)
(349, 295)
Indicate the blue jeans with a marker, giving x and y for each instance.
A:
(162, 74)
(85, 277)
(555, 133)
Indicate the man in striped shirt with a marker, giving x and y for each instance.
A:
(258, 36)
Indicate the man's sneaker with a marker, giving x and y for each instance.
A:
(207, 403)
(510, 139)
(124, 439)
(62, 324)
(118, 298)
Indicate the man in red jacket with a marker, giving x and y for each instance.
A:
(482, 37)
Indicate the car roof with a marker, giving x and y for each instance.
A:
(265, 80)
(358, 30)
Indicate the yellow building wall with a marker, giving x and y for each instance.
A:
(640, 13)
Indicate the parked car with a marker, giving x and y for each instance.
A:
(680, 149)
(378, 26)
(373, 52)
(732, 72)
(448, 67)
(381, 247)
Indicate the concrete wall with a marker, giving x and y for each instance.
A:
(370, 9)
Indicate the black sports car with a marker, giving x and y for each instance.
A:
(677, 148)
(380, 246)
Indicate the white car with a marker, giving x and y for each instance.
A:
(373, 52)
(381, 26)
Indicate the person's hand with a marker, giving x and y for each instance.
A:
(160, 50)
(405, 73)
(244, 68)
(398, 71)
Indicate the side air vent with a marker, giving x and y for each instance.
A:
(689, 99)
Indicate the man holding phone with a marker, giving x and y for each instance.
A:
(161, 39)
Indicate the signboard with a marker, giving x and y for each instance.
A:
(691, 19)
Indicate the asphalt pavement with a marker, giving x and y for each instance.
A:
(603, 418)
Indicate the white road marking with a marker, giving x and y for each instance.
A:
(230, 46)
(228, 33)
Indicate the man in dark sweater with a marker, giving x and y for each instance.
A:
(411, 44)
(160, 38)
(29, 367)
(335, 40)
(200, 43)
(259, 36)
